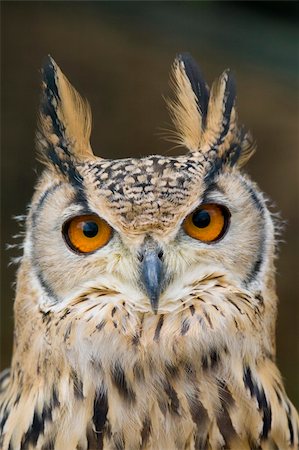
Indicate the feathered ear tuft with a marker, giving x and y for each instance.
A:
(247, 149)
(221, 120)
(222, 137)
(65, 118)
(188, 109)
(206, 123)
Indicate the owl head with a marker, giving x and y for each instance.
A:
(147, 229)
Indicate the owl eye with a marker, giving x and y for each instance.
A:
(208, 223)
(86, 234)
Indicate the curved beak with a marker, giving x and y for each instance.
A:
(152, 273)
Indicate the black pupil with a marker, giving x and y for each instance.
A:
(90, 229)
(201, 218)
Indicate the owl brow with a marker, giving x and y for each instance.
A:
(210, 189)
(81, 199)
(82, 210)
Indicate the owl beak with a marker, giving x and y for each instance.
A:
(152, 274)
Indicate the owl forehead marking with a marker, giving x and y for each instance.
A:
(150, 192)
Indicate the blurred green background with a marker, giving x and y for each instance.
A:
(118, 55)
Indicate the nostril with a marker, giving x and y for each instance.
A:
(149, 253)
(160, 254)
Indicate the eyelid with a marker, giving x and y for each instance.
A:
(72, 212)
(217, 199)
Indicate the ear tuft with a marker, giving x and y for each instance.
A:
(206, 122)
(65, 118)
(198, 84)
(248, 148)
(188, 109)
(221, 120)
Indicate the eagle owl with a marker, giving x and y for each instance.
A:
(145, 303)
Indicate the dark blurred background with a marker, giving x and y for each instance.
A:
(118, 55)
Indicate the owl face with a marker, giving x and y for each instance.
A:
(152, 209)
(150, 228)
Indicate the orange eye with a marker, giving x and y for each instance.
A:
(208, 223)
(86, 234)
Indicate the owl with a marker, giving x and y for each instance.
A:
(145, 300)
